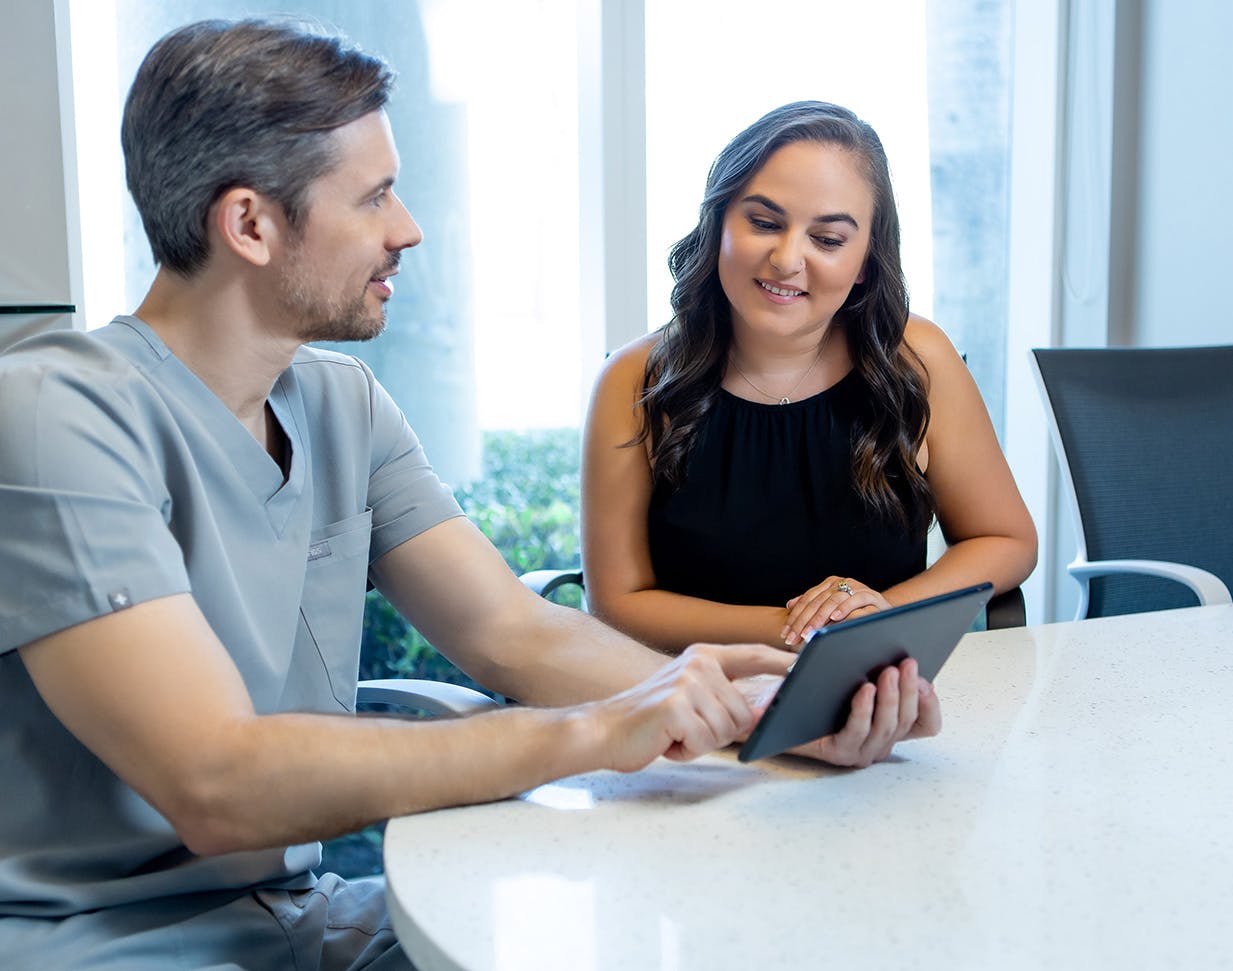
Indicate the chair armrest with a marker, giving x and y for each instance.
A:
(435, 697)
(1208, 587)
(544, 582)
(1006, 610)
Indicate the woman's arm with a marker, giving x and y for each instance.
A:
(616, 556)
(988, 530)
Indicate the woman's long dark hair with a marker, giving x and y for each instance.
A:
(686, 366)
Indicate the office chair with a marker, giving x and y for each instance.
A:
(1144, 439)
(434, 698)
(1005, 610)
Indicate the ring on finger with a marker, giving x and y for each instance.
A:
(846, 587)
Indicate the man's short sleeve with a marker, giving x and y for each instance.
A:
(404, 492)
(81, 510)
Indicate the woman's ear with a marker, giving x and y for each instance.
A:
(247, 223)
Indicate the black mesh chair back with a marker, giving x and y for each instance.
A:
(1145, 437)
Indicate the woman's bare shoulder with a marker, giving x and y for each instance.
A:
(927, 338)
(931, 345)
(618, 389)
(627, 364)
(636, 351)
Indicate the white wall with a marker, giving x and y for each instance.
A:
(1184, 246)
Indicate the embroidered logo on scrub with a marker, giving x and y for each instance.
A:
(319, 551)
(119, 599)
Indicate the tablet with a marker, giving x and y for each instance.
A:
(816, 696)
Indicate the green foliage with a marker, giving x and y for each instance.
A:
(526, 501)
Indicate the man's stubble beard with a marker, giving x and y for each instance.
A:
(322, 319)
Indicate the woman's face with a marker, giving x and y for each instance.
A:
(794, 240)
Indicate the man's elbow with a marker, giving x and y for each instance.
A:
(210, 818)
(214, 797)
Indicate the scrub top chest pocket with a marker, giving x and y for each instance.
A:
(332, 612)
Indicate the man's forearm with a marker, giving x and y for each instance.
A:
(569, 657)
(281, 779)
(180, 728)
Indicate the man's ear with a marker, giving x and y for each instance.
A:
(248, 224)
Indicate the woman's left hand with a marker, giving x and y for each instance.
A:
(832, 600)
(899, 706)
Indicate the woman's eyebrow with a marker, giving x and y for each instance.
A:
(837, 217)
(761, 200)
(834, 217)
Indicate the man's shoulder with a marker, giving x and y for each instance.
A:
(60, 362)
(68, 401)
(60, 347)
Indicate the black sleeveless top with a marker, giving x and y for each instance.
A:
(768, 508)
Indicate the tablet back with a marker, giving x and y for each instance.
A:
(815, 697)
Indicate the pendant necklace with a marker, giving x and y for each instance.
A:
(781, 399)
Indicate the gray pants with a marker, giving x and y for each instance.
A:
(334, 926)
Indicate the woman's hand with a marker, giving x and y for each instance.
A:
(901, 705)
(832, 600)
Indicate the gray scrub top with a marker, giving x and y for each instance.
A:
(124, 478)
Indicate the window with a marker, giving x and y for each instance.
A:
(933, 80)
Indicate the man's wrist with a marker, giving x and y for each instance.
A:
(576, 739)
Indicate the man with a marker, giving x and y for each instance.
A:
(192, 502)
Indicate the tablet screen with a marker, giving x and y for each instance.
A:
(815, 698)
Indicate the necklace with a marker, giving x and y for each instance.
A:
(782, 399)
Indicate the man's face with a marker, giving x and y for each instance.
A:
(335, 277)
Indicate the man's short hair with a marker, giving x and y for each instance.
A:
(219, 104)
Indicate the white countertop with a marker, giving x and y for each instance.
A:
(1075, 812)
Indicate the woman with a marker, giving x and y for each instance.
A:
(770, 460)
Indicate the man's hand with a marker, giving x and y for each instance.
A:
(688, 708)
(901, 705)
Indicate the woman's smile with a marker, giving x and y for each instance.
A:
(781, 294)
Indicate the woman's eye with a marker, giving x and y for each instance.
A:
(828, 242)
(763, 224)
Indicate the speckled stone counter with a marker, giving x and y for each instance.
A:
(1075, 812)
